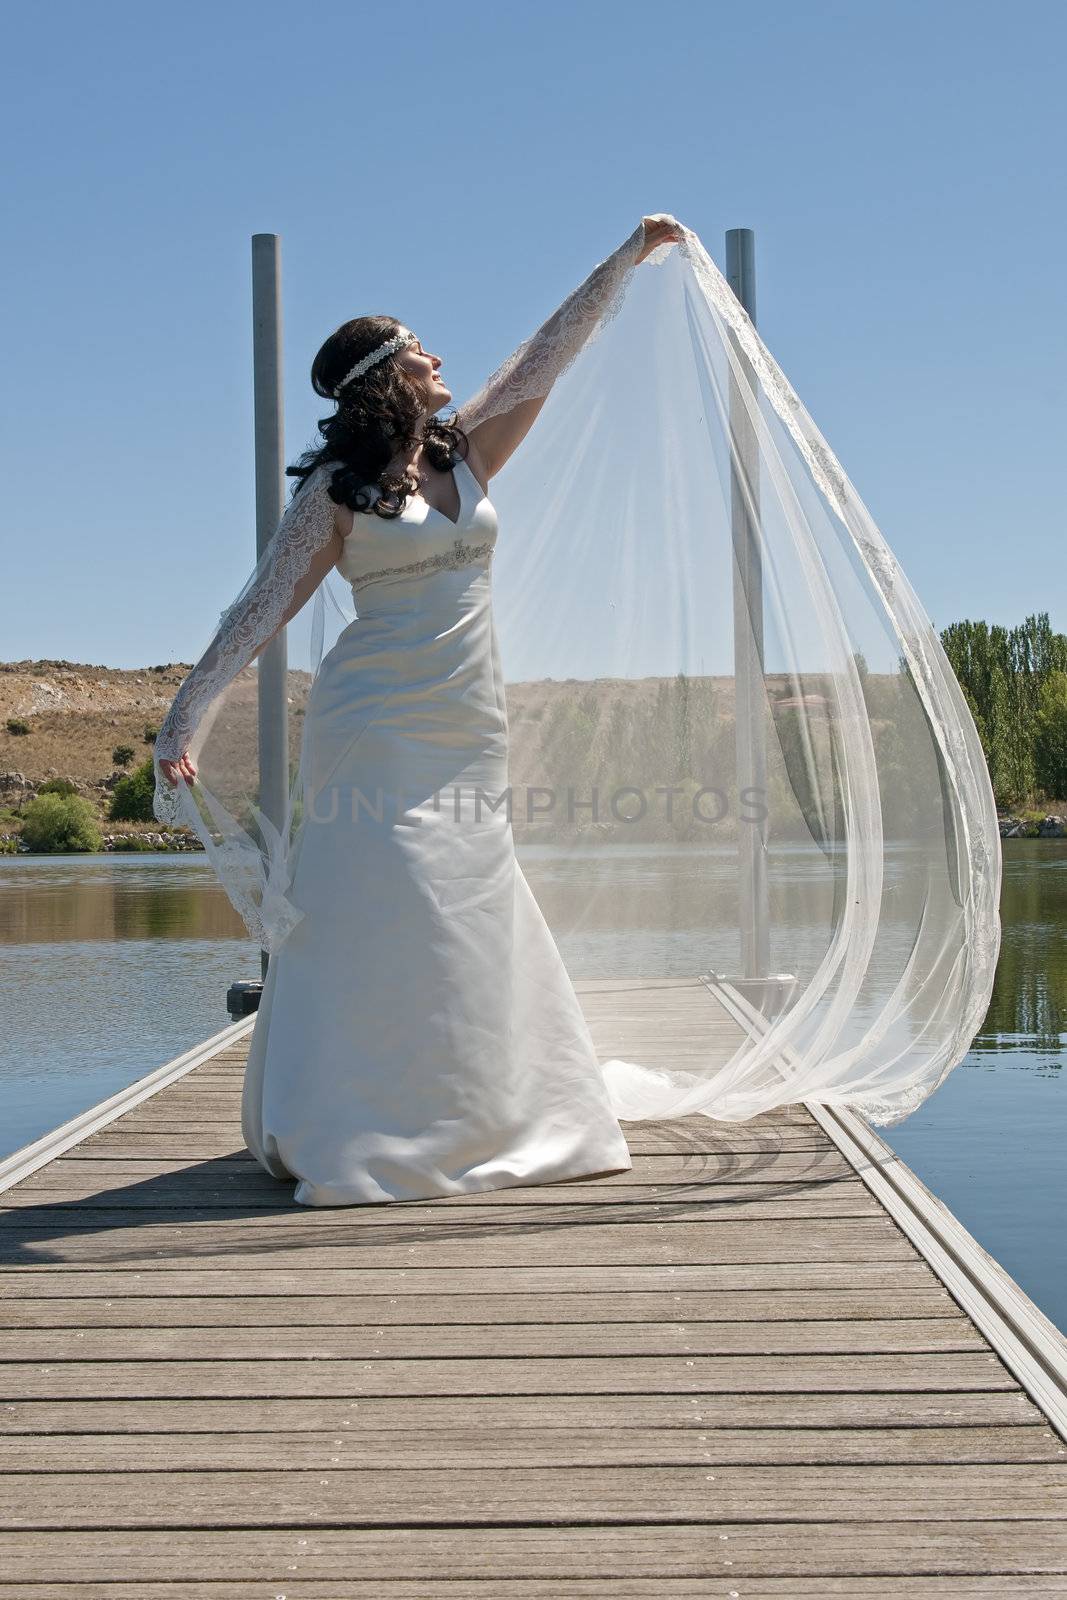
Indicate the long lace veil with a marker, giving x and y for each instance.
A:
(739, 758)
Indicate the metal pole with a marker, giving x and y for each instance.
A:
(270, 501)
(750, 709)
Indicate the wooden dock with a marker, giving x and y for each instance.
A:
(766, 1362)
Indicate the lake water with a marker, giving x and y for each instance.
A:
(111, 965)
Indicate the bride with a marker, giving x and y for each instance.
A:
(418, 1034)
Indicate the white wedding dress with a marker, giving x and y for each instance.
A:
(418, 1034)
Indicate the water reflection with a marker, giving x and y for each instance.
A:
(1029, 1005)
(53, 900)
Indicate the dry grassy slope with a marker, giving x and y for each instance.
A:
(77, 714)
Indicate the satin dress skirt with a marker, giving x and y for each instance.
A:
(418, 1033)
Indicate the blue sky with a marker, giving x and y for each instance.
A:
(463, 167)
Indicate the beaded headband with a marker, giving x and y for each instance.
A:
(375, 356)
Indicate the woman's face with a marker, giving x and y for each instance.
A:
(422, 367)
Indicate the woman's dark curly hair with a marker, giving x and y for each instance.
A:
(375, 419)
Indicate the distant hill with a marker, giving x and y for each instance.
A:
(630, 740)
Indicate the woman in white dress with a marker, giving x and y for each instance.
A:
(418, 1034)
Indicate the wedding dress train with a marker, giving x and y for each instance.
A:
(418, 1034)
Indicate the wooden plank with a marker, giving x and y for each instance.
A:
(203, 1086)
(379, 1497)
(213, 1143)
(281, 1278)
(837, 1336)
(722, 1202)
(816, 1548)
(189, 1103)
(678, 1173)
(904, 1588)
(382, 1375)
(209, 1245)
(222, 1136)
(790, 1410)
(353, 1311)
(923, 1587)
(64, 1213)
(715, 1139)
(471, 1446)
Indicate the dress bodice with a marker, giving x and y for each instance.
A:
(421, 540)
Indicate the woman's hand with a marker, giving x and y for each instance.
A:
(185, 765)
(659, 229)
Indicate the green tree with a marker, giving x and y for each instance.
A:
(60, 822)
(1003, 673)
(132, 797)
(1050, 737)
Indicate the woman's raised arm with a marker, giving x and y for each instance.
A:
(499, 416)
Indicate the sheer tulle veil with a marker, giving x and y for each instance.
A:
(738, 753)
